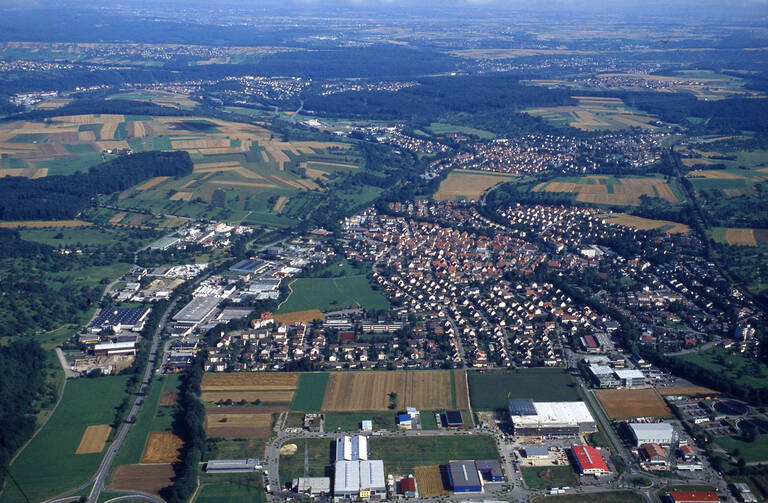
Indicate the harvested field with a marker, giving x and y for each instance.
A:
(169, 399)
(360, 391)
(237, 425)
(162, 447)
(613, 191)
(182, 196)
(280, 204)
(630, 403)
(244, 184)
(249, 396)
(646, 223)
(37, 224)
(299, 316)
(430, 481)
(152, 182)
(687, 391)
(461, 389)
(469, 185)
(94, 439)
(250, 381)
(741, 237)
(117, 218)
(715, 174)
(146, 478)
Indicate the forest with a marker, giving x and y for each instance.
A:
(64, 196)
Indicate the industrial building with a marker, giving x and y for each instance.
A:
(693, 497)
(117, 348)
(124, 318)
(250, 266)
(193, 314)
(351, 448)
(312, 486)
(652, 433)
(358, 479)
(490, 469)
(652, 454)
(408, 487)
(589, 461)
(232, 465)
(631, 378)
(535, 451)
(603, 376)
(531, 418)
(453, 419)
(464, 477)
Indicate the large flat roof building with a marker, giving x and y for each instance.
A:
(589, 461)
(122, 318)
(351, 448)
(232, 465)
(652, 433)
(358, 479)
(314, 486)
(197, 310)
(552, 418)
(464, 477)
(372, 481)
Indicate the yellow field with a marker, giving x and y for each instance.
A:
(430, 481)
(627, 192)
(235, 425)
(361, 391)
(469, 185)
(162, 447)
(152, 182)
(250, 381)
(715, 174)
(687, 391)
(182, 196)
(646, 224)
(93, 439)
(595, 113)
(249, 396)
(299, 316)
(741, 237)
(37, 224)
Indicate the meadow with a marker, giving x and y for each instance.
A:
(309, 395)
(756, 451)
(543, 477)
(328, 294)
(318, 452)
(596, 113)
(492, 390)
(401, 454)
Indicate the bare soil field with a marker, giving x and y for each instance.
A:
(237, 425)
(646, 223)
(37, 224)
(631, 403)
(146, 478)
(469, 185)
(169, 399)
(430, 481)
(248, 396)
(93, 439)
(280, 204)
(361, 391)
(687, 391)
(741, 237)
(162, 447)
(300, 316)
(152, 182)
(250, 381)
(461, 389)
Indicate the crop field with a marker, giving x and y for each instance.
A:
(594, 113)
(309, 396)
(609, 190)
(42, 224)
(248, 396)
(237, 422)
(740, 237)
(646, 224)
(687, 391)
(162, 447)
(360, 391)
(300, 316)
(161, 98)
(402, 454)
(146, 478)
(250, 381)
(330, 294)
(461, 390)
(169, 399)
(351, 421)
(468, 185)
(430, 481)
(492, 390)
(235, 487)
(630, 403)
(94, 439)
(605, 497)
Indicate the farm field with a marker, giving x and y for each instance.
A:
(300, 316)
(740, 237)
(39, 224)
(238, 422)
(250, 381)
(430, 481)
(595, 113)
(162, 447)
(468, 185)
(248, 396)
(292, 458)
(351, 421)
(630, 403)
(687, 391)
(368, 391)
(646, 224)
(151, 479)
(94, 439)
(161, 98)
(614, 191)
(605, 497)
(439, 128)
(326, 294)
(402, 454)
(756, 451)
(542, 477)
(460, 390)
(49, 464)
(237, 448)
(491, 390)
(230, 488)
(309, 396)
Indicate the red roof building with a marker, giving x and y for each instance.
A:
(694, 497)
(408, 487)
(589, 461)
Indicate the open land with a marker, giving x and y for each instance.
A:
(146, 478)
(629, 403)
(162, 447)
(401, 454)
(491, 390)
(300, 316)
(605, 497)
(468, 185)
(739, 368)
(224, 489)
(311, 392)
(646, 224)
(318, 455)
(752, 452)
(542, 477)
(687, 391)
(94, 439)
(250, 381)
(39, 224)
(326, 294)
(430, 481)
(237, 422)
(740, 237)
(594, 113)
(359, 391)
(609, 190)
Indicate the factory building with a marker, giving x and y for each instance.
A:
(312, 486)
(652, 433)
(232, 465)
(464, 477)
(351, 448)
(531, 418)
(589, 461)
(355, 475)
(631, 378)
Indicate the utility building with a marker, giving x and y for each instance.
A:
(652, 433)
(464, 477)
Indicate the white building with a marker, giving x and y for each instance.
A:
(653, 433)
(551, 418)
(631, 378)
(351, 448)
(314, 486)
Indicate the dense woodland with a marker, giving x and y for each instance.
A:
(64, 196)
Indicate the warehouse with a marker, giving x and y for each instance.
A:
(372, 478)
(453, 419)
(652, 454)
(124, 318)
(232, 465)
(630, 378)
(117, 348)
(652, 433)
(464, 477)
(312, 486)
(197, 310)
(551, 418)
(358, 479)
(589, 461)
(352, 448)
(693, 497)
(490, 469)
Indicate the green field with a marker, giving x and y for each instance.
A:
(340, 421)
(231, 488)
(439, 128)
(49, 466)
(542, 477)
(491, 390)
(743, 370)
(319, 454)
(750, 451)
(236, 448)
(309, 396)
(327, 294)
(604, 497)
(401, 454)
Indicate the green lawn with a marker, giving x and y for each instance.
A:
(232, 488)
(309, 396)
(750, 451)
(604, 497)
(491, 390)
(236, 448)
(342, 421)
(49, 466)
(329, 294)
(542, 477)
(741, 369)
(319, 454)
(401, 454)
(428, 421)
